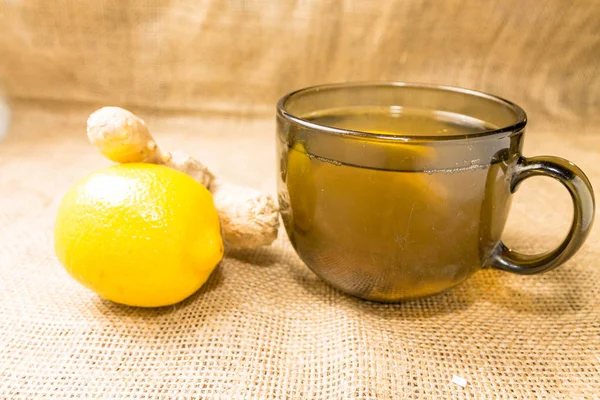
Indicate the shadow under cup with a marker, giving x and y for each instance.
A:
(386, 214)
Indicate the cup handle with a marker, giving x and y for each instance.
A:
(581, 192)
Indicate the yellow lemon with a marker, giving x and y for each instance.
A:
(301, 187)
(139, 234)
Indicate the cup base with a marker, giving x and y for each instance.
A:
(388, 295)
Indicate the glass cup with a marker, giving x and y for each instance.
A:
(388, 216)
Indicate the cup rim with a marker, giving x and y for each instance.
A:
(519, 125)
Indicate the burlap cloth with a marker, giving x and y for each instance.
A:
(205, 77)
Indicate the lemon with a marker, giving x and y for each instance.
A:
(139, 234)
(301, 187)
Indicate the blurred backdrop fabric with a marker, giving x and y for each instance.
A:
(242, 55)
(206, 76)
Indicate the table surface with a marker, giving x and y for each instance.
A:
(264, 326)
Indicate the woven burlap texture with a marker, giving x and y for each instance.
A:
(206, 75)
(264, 326)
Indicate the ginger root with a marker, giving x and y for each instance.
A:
(249, 218)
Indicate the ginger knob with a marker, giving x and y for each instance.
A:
(249, 218)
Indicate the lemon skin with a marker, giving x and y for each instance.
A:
(139, 234)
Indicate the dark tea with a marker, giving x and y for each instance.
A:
(401, 218)
(399, 121)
